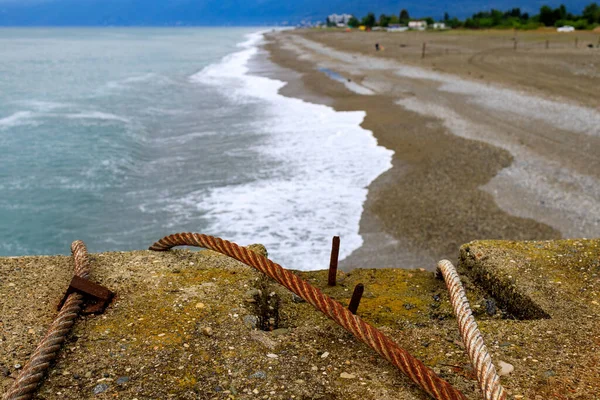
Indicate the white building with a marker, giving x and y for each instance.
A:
(397, 28)
(337, 19)
(566, 28)
(417, 25)
(439, 25)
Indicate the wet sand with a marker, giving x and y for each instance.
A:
(489, 143)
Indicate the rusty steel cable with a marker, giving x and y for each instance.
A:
(32, 374)
(489, 380)
(409, 365)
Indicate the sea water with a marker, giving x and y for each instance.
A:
(121, 136)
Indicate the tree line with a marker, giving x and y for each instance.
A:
(514, 18)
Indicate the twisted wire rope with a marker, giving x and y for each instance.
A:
(409, 365)
(26, 383)
(481, 360)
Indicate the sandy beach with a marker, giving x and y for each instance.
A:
(489, 142)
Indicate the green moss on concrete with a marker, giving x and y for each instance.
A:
(526, 276)
(181, 327)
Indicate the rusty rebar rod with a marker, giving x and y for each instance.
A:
(409, 365)
(333, 262)
(356, 296)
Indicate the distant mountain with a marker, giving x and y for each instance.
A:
(237, 12)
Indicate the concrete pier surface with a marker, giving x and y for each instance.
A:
(185, 325)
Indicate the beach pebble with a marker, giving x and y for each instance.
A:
(122, 380)
(18, 366)
(280, 332)
(199, 305)
(259, 249)
(345, 375)
(325, 355)
(549, 373)
(505, 368)
(297, 299)
(207, 331)
(258, 375)
(102, 387)
(490, 307)
(271, 355)
(251, 321)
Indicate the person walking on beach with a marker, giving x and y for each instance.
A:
(376, 46)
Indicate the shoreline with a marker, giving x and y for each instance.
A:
(443, 188)
(291, 203)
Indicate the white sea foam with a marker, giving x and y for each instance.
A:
(185, 138)
(150, 77)
(99, 115)
(43, 106)
(19, 118)
(327, 161)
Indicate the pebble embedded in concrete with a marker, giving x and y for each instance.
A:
(297, 299)
(102, 387)
(505, 368)
(207, 331)
(122, 380)
(259, 375)
(251, 321)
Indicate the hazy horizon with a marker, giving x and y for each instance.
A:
(156, 13)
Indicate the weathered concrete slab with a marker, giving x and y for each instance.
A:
(181, 327)
(557, 356)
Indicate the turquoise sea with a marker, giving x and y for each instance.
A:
(120, 136)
